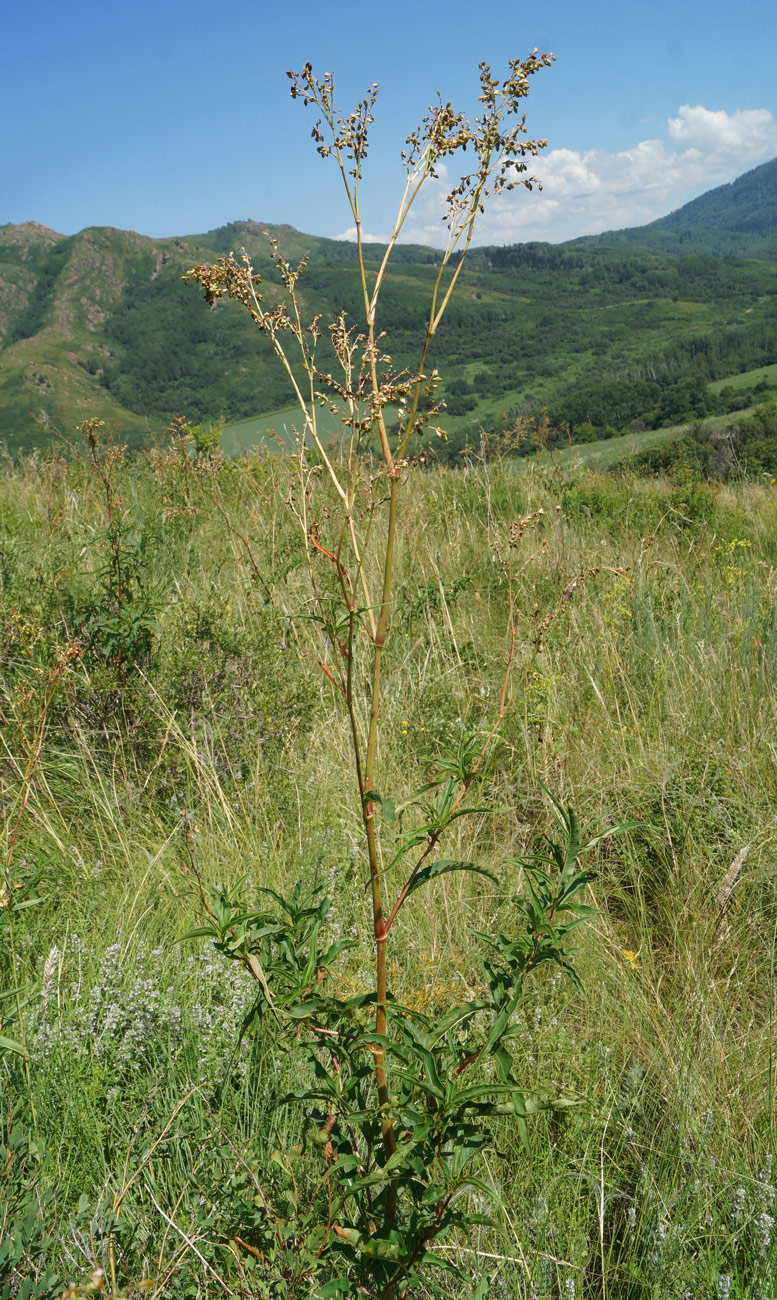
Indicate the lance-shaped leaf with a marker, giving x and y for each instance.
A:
(443, 867)
(11, 1045)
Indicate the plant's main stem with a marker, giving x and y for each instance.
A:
(379, 927)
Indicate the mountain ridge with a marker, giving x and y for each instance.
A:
(738, 218)
(743, 205)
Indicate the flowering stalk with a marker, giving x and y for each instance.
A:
(381, 411)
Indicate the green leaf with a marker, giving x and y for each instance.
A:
(558, 808)
(338, 1286)
(503, 1059)
(326, 958)
(573, 843)
(10, 1045)
(430, 1069)
(523, 1131)
(437, 1261)
(383, 1249)
(443, 867)
(414, 1080)
(256, 968)
(304, 1009)
(617, 830)
(275, 928)
(388, 807)
(28, 902)
(204, 931)
(481, 1090)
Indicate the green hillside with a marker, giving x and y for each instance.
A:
(747, 206)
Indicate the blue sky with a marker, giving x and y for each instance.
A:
(174, 117)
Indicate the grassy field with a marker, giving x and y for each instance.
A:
(608, 453)
(274, 432)
(767, 373)
(613, 451)
(188, 735)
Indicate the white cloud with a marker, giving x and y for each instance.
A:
(591, 191)
(350, 236)
(750, 132)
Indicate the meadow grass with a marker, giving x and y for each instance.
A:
(747, 378)
(213, 749)
(275, 432)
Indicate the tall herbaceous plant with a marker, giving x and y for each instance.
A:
(399, 1104)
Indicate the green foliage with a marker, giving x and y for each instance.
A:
(744, 447)
(205, 441)
(27, 1240)
(174, 359)
(745, 206)
(730, 221)
(319, 1202)
(115, 615)
(668, 1050)
(33, 318)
